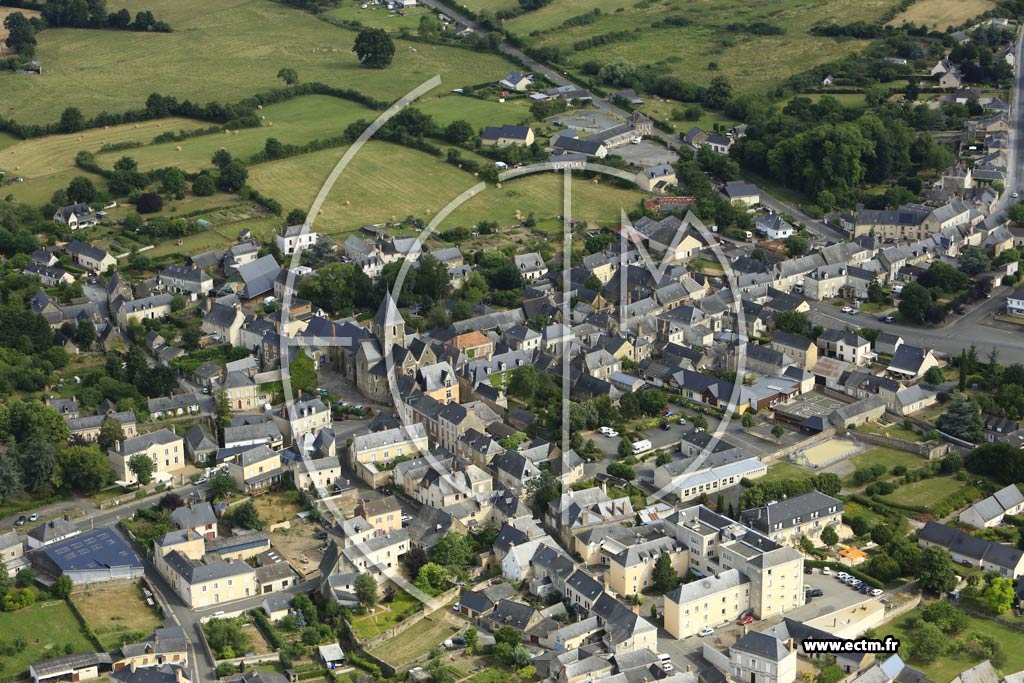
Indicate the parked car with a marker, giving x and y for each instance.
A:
(706, 631)
(808, 570)
(841, 576)
(826, 571)
(611, 434)
(666, 427)
(682, 420)
(888, 319)
(876, 592)
(21, 520)
(846, 309)
(746, 619)
(814, 593)
(456, 607)
(34, 517)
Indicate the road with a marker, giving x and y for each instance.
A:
(559, 78)
(976, 327)
(1015, 149)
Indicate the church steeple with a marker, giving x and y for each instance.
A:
(388, 324)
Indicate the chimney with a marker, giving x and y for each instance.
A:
(689, 668)
(132, 666)
(745, 629)
(791, 645)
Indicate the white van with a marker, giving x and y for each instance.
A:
(641, 446)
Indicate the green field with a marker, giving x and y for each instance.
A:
(893, 431)
(223, 51)
(377, 16)
(489, 5)
(476, 111)
(889, 457)
(786, 470)
(47, 627)
(48, 164)
(751, 62)
(925, 492)
(386, 182)
(6, 140)
(386, 616)
(293, 122)
(947, 667)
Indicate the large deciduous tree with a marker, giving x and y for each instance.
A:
(374, 48)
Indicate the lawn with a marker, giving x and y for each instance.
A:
(386, 616)
(294, 122)
(751, 62)
(938, 14)
(117, 612)
(223, 51)
(925, 492)
(947, 667)
(892, 431)
(386, 182)
(786, 470)
(478, 112)
(278, 506)
(48, 628)
(890, 457)
(377, 16)
(417, 640)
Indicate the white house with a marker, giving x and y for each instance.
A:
(295, 238)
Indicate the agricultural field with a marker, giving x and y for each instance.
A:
(938, 14)
(378, 16)
(48, 628)
(294, 122)
(375, 188)
(117, 612)
(751, 62)
(213, 55)
(478, 112)
(48, 164)
(489, 5)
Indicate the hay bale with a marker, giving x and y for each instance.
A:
(259, 106)
(178, 148)
(263, 118)
(498, 185)
(347, 202)
(270, 123)
(594, 181)
(236, 132)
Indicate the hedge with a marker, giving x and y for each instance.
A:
(838, 566)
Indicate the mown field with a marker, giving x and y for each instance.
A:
(386, 182)
(295, 122)
(48, 164)
(751, 62)
(47, 627)
(938, 14)
(222, 50)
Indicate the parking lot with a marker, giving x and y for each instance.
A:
(645, 154)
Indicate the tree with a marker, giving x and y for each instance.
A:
(928, 642)
(149, 202)
(778, 431)
(173, 183)
(935, 570)
(232, 176)
(203, 185)
(1016, 213)
(11, 484)
(883, 568)
(458, 132)
(915, 302)
(366, 591)
(62, 587)
(934, 375)
(288, 75)
(21, 35)
(221, 158)
(85, 334)
(85, 469)
(540, 490)
(622, 471)
(962, 419)
(453, 551)
(625, 448)
(718, 93)
(374, 48)
(748, 420)
(222, 485)
(974, 260)
(432, 578)
(664, 574)
(246, 516)
(999, 595)
(944, 277)
(429, 27)
(829, 536)
(828, 483)
(81, 189)
(71, 120)
(472, 638)
(142, 467)
(303, 373)
(506, 635)
(797, 245)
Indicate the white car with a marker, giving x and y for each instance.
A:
(1015, 195)
(706, 631)
(606, 430)
(876, 592)
(611, 434)
(826, 571)
(846, 309)
(842, 576)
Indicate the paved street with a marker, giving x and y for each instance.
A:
(977, 327)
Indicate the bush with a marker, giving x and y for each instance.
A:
(225, 670)
(149, 202)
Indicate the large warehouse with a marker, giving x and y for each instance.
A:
(100, 555)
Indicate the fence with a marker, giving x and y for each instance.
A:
(928, 449)
(408, 622)
(784, 453)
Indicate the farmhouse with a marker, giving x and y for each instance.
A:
(89, 257)
(185, 280)
(656, 178)
(990, 511)
(294, 239)
(503, 136)
(75, 216)
(516, 81)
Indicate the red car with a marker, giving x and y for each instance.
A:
(747, 619)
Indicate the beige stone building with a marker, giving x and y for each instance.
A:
(165, 448)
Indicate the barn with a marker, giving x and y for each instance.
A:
(100, 555)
